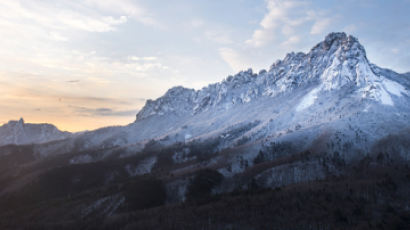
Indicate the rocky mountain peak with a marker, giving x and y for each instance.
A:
(338, 61)
(339, 45)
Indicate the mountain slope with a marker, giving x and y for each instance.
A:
(333, 87)
(20, 133)
(330, 102)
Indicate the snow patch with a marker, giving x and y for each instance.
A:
(330, 74)
(381, 90)
(187, 136)
(394, 87)
(308, 100)
(385, 97)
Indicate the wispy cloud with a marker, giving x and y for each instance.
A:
(73, 81)
(93, 112)
(197, 23)
(50, 17)
(69, 111)
(221, 36)
(127, 7)
(234, 59)
(135, 58)
(350, 28)
(32, 33)
(280, 15)
(291, 40)
(321, 25)
(284, 18)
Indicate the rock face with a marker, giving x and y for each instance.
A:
(20, 133)
(338, 62)
(333, 86)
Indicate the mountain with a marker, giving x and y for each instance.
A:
(330, 90)
(20, 133)
(324, 131)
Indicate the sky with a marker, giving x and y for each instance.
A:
(85, 64)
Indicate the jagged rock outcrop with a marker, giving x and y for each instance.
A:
(339, 61)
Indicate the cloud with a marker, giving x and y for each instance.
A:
(41, 95)
(135, 58)
(234, 59)
(197, 23)
(395, 50)
(320, 25)
(219, 36)
(350, 28)
(58, 37)
(73, 81)
(291, 41)
(127, 7)
(286, 18)
(261, 37)
(93, 112)
(280, 15)
(51, 17)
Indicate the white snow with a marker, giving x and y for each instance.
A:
(385, 97)
(394, 87)
(308, 100)
(187, 136)
(330, 74)
(382, 90)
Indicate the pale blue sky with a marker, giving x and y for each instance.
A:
(92, 63)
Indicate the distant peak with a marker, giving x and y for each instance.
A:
(16, 122)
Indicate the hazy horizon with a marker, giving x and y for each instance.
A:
(82, 65)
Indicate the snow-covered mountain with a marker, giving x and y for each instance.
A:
(20, 133)
(312, 117)
(331, 99)
(337, 62)
(329, 91)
